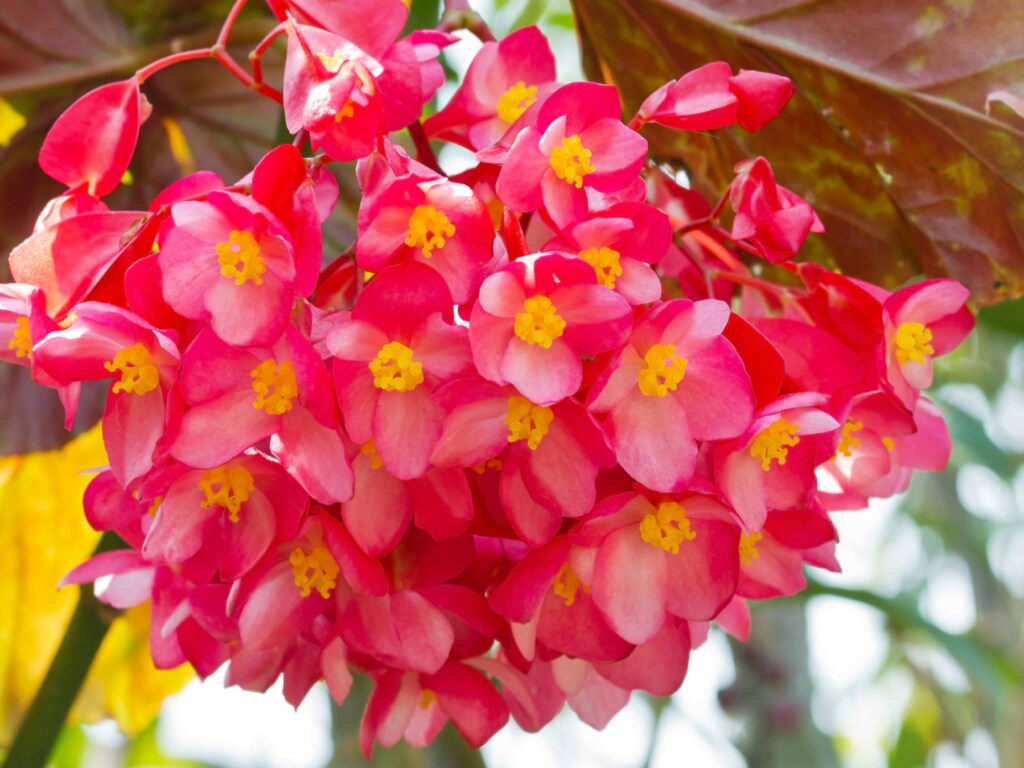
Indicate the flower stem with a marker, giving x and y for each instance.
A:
(89, 624)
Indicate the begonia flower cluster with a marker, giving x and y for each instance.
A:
(523, 442)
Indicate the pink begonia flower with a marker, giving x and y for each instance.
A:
(773, 219)
(92, 142)
(301, 580)
(676, 381)
(578, 143)
(229, 261)
(881, 443)
(771, 465)
(658, 555)
(549, 455)
(619, 243)
(921, 322)
(239, 397)
(772, 559)
(231, 513)
(382, 507)
(544, 591)
(23, 320)
(109, 342)
(416, 706)
(398, 346)
(331, 91)
(434, 221)
(502, 82)
(536, 317)
(712, 97)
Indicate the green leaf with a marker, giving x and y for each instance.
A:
(888, 135)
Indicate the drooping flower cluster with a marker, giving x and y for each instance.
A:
(501, 470)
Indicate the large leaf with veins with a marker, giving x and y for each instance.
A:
(888, 135)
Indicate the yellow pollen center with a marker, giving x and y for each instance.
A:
(571, 161)
(567, 583)
(138, 373)
(428, 228)
(772, 441)
(369, 448)
(847, 442)
(483, 466)
(427, 697)
(155, 506)
(605, 262)
(515, 100)
(275, 387)
(664, 370)
(239, 258)
(889, 443)
(332, 62)
(667, 528)
(540, 323)
(527, 421)
(317, 570)
(394, 370)
(228, 486)
(913, 342)
(748, 546)
(21, 342)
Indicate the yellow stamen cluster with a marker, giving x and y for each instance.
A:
(317, 570)
(394, 370)
(913, 343)
(567, 584)
(515, 101)
(21, 342)
(540, 323)
(427, 697)
(664, 370)
(242, 249)
(748, 546)
(667, 527)
(847, 442)
(428, 228)
(275, 387)
(369, 448)
(605, 262)
(228, 486)
(138, 372)
(527, 421)
(773, 442)
(571, 161)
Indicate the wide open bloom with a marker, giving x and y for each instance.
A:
(239, 397)
(105, 342)
(397, 347)
(431, 220)
(549, 455)
(658, 555)
(536, 317)
(578, 143)
(501, 83)
(771, 466)
(619, 243)
(230, 514)
(921, 322)
(229, 261)
(677, 380)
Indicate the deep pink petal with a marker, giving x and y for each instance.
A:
(630, 585)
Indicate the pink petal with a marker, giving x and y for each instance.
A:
(630, 585)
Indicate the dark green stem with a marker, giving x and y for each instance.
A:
(89, 624)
